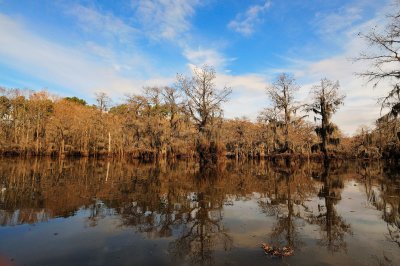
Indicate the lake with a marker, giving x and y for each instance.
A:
(110, 212)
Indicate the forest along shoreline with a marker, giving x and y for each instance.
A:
(186, 122)
(174, 123)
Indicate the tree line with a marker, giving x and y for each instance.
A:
(167, 122)
(186, 120)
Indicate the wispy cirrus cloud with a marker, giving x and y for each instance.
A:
(244, 23)
(165, 19)
(332, 22)
(208, 56)
(337, 21)
(67, 67)
(106, 24)
(103, 64)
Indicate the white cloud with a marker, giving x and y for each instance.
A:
(67, 67)
(99, 23)
(345, 17)
(165, 19)
(244, 23)
(210, 57)
(92, 65)
(253, 83)
(248, 94)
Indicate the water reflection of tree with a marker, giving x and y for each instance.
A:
(333, 227)
(158, 200)
(37, 190)
(288, 202)
(187, 205)
(149, 205)
(390, 191)
(384, 195)
(97, 211)
(286, 223)
(178, 201)
(202, 230)
(285, 201)
(22, 189)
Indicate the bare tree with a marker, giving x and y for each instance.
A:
(103, 101)
(204, 108)
(385, 60)
(326, 101)
(171, 97)
(203, 98)
(153, 96)
(281, 94)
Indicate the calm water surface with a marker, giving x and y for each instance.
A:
(94, 212)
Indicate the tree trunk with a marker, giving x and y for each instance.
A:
(109, 144)
(62, 150)
(37, 138)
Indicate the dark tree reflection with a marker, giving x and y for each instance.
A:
(188, 207)
(286, 201)
(202, 229)
(333, 227)
(382, 187)
(185, 206)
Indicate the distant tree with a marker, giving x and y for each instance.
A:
(270, 117)
(5, 125)
(326, 101)
(281, 94)
(119, 109)
(40, 108)
(204, 107)
(76, 100)
(171, 97)
(60, 130)
(103, 101)
(155, 122)
(5, 106)
(204, 99)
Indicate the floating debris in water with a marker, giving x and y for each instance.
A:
(277, 252)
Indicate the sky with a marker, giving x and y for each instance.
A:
(78, 48)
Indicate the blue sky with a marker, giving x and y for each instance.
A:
(82, 47)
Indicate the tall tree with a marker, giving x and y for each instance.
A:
(204, 107)
(270, 118)
(171, 97)
(40, 108)
(326, 101)
(281, 94)
(385, 62)
(203, 98)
